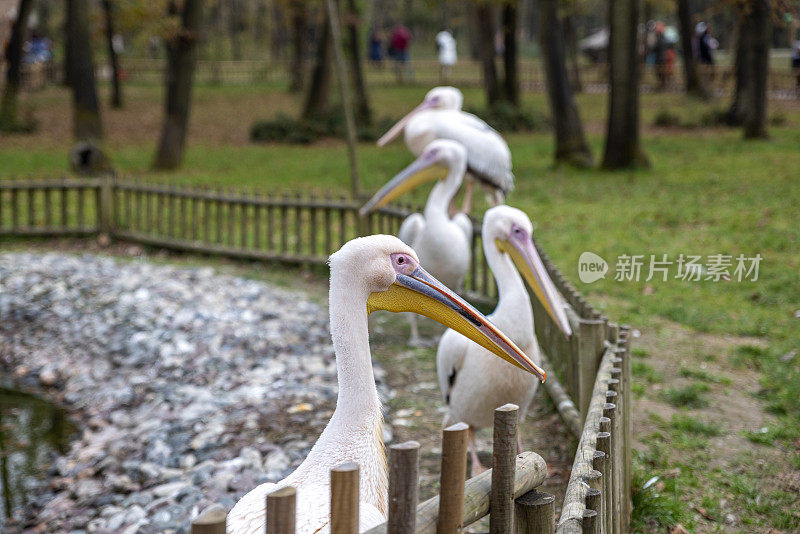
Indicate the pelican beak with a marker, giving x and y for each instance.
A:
(424, 169)
(519, 246)
(395, 130)
(421, 293)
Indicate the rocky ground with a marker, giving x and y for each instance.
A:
(190, 388)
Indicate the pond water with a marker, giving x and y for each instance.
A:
(32, 431)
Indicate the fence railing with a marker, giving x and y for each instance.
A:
(783, 82)
(591, 364)
(508, 490)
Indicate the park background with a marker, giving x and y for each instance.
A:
(709, 166)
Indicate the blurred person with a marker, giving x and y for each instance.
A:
(706, 44)
(796, 62)
(448, 56)
(660, 54)
(375, 48)
(400, 40)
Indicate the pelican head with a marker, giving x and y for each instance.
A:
(389, 273)
(444, 97)
(438, 158)
(511, 230)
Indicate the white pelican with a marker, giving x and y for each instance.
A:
(367, 274)
(443, 243)
(473, 385)
(439, 116)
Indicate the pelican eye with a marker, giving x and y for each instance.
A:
(403, 263)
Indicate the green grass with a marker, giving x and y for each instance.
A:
(690, 396)
(646, 372)
(687, 423)
(703, 375)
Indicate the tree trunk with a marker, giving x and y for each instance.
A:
(757, 22)
(181, 59)
(510, 55)
(318, 95)
(9, 105)
(571, 41)
(299, 21)
(694, 84)
(623, 148)
(260, 23)
(235, 23)
(735, 113)
(571, 146)
(484, 24)
(116, 89)
(363, 111)
(85, 108)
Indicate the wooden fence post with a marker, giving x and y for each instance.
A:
(403, 487)
(453, 478)
(592, 519)
(210, 521)
(535, 513)
(590, 349)
(105, 215)
(504, 453)
(625, 344)
(344, 499)
(281, 511)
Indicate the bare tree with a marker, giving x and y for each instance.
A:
(510, 53)
(9, 105)
(623, 149)
(298, 13)
(749, 106)
(363, 111)
(116, 92)
(317, 100)
(181, 59)
(87, 124)
(484, 23)
(694, 84)
(571, 146)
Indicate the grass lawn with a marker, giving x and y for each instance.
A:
(717, 382)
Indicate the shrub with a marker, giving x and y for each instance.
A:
(666, 118)
(505, 117)
(286, 129)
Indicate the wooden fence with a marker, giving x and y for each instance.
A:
(590, 366)
(783, 82)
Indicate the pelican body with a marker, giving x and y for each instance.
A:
(367, 274)
(472, 384)
(442, 242)
(439, 116)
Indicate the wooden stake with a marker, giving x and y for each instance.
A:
(210, 521)
(535, 513)
(344, 499)
(453, 478)
(281, 511)
(403, 487)
(504, 453)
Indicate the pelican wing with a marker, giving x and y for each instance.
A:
(464, 223)
(449, 360)
(488, 156)
(411, 229)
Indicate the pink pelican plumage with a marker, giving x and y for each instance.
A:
(439, 116)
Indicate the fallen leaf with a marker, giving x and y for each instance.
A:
(678, 529)
(302, 407)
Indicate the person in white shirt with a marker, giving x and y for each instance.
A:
(447, 53)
